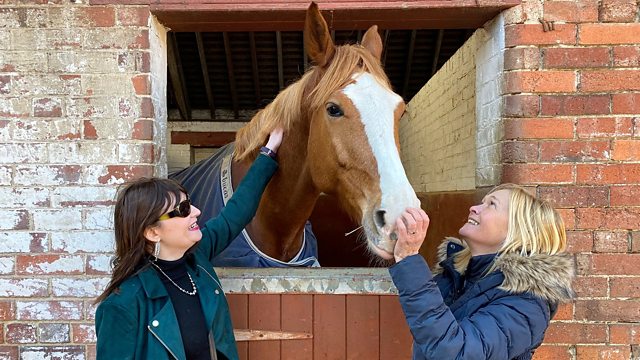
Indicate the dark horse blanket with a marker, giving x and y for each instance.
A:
(205, 182)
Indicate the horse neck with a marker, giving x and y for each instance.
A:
(288, 200)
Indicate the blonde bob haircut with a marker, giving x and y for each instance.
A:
(534, 227)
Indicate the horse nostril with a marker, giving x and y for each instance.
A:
(379, 218)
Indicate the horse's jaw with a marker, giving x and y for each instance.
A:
(380, 243)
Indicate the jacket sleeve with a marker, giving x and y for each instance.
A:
(503, 329)
(218, 232)
(116, 332)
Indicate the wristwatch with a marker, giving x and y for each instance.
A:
(266, 151)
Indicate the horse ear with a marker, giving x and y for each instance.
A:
(317, 39)
(372, 42)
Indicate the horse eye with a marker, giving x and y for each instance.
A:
(334, 110)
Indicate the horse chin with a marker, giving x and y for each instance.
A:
(379, 245)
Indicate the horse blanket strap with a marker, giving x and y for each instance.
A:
(246, 253)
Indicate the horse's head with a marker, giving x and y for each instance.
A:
(353, 132)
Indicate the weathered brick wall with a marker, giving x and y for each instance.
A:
(572, 99)
(76, 119)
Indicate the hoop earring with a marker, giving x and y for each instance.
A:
(156, 250)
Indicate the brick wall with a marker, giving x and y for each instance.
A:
(571, 130)
(77, 118)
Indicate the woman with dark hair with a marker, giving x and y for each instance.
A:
(495, 289)
(165, 300)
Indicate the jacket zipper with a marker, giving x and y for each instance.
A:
(163, 344)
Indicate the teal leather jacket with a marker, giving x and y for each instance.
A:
(138, 322)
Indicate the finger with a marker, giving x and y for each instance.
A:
(401, 229)
(410, 221)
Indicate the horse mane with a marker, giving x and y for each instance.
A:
(309, 93)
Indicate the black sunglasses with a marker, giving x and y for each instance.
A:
(183, 209)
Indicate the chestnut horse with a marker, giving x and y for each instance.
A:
(341, 138)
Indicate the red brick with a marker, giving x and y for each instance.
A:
(143, 130)
(571, 196)
(96, 16)
(554, 105)
(49, 310)
(618, 10)
(47, 107)
(564, 312)
(141, 41)
(572, 58)
(141, 84)
(604, 174)
(590, 218)
(49, 264)
(538, 128)
(602, 352)
(133, 16)
(624, 333)
(125, 173)
(53, 352)
(589, 286)
(626, 150)
(7, 310)
(539, 81)
(635, 241)
(628, 195)
(570, 333)
(611, 241)
(574, 151)
(521, 105)
(609, 80)
(570, 11)
(89, 131)
(5, 84)
(553, 352)
(606, 127)
(8, 352)
(603, 34)
(626, 103)
(627, 287)
(522, 58)
(537, 173)
(568, 217)
(533, 34)
(143, 62)
(626, 56)
(19, 333)
(614, 264)
(579, 241)
(519, 151)
(83, 333)
(146, 108)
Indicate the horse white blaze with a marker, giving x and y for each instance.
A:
(377, 105)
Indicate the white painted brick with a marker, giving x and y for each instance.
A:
(135, 153)
(52, 352)
(7, 265)
(6, 173)
(83, 196)
(60, 219)
(23, 287)
(5, 39)
(83, 241)
(54, 333)
(108, 84)
(82, 152)
(24, 197)
(99, 263)
(29, 39)
(55, 265)
(74, 62)
(14, 219)
(22, 242)
(79, 287)
(23, 153)
(30, 130)
(25, 61)
(48, 310)
(47, 84)
(98, 218)
(178, 156)
(108, 129)
(47, 175)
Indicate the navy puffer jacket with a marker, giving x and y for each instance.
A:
(470, 315)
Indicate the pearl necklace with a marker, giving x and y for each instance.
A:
(192, 293)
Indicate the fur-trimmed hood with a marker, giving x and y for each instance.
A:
(546, 276)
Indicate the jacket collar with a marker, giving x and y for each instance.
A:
(546, 276)
(151, 283)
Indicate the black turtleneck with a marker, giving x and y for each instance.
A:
(188, 309)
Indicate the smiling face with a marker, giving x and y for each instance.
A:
(486, 228)
(177, 234)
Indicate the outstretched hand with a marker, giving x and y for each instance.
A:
(275, 139)
(411, 228)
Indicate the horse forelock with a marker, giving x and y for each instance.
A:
(309, 93)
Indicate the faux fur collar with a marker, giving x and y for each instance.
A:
(546, 276)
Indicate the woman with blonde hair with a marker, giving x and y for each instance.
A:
(495, 289)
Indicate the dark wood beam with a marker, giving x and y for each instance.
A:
(232, 78)
(196, 138)
(280, 62)
(177, 77)
(436, 52)
(205, 75)
(254, 68)
(407, 72)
